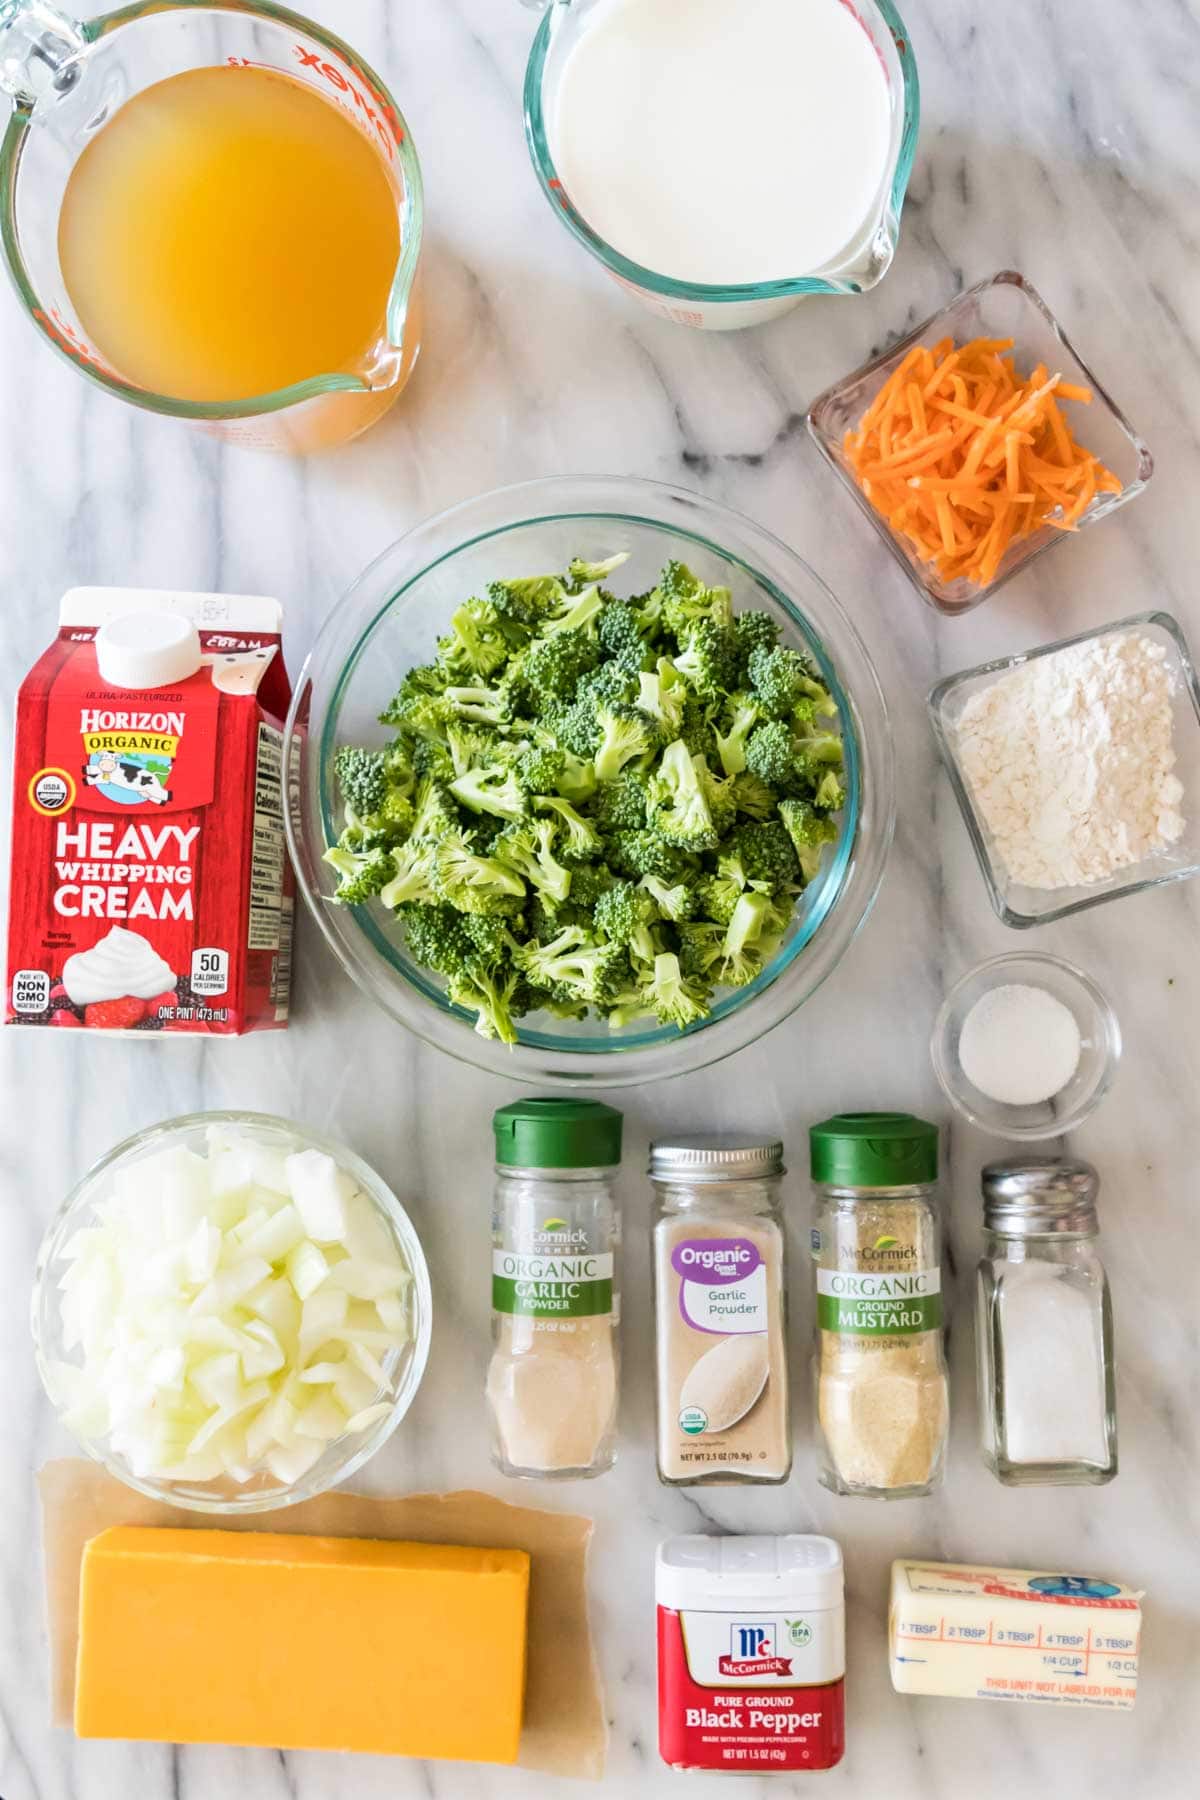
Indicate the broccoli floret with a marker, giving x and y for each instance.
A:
(494, 789)
(469, 747)
(528, 850)
(675, 903)
(435, 813)
(578, 779)
(678, 807)
(476, 645)
(539, 770)
(717, 896)
(580, 613)
(754, 798)
(766, 854)
(754, 631)
(779, 678)
(620, 637)
(626, 735)
(709, 661)
(529, 601)
(575, 728)
(816, 754)
(623, 804)
(419, 685)
(578, 969)
(695, 730)
(685, 600)
(579, 839)
(676, 999)
(362, 874)
(809, 832)
(771, 755)
(625, 915)
(491, 996)
(471, 882)
(700, 949)
(738, 721)
(412, 879)
(831, 792)
(640, 853)
(718, 796)
(588, 882)
(749, 942)
(664, 694)
(581, 574)
(436, 937)
(362, 778)
(552, 666)
(482, 705)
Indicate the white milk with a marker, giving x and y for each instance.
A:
(724, 142)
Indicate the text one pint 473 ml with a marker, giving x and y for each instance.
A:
(149, 887)
(751, 1653)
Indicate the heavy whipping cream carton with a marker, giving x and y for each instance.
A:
(149, 886)
(751, 1653)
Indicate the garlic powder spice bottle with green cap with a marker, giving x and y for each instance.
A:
(720, 1312)
(881, 1384)
(552, 1379)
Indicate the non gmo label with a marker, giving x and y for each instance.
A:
(879, 1305)
(552, 1286)
(30, 991)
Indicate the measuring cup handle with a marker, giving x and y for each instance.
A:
(41, 50)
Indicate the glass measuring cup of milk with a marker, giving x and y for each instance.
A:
(857, 60)
(70, 80)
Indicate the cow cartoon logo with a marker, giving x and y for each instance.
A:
(130, 777)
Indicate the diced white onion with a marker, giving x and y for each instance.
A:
(229, 1314)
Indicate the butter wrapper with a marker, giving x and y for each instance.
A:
(970, 1632)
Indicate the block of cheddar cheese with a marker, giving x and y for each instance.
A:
(248, 1637)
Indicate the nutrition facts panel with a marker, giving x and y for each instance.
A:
(266, 867)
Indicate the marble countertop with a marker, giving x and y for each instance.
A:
(1063, 141)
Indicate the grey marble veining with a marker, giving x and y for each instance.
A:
(1063, 140)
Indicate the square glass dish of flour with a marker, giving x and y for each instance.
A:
(1003, 306)
(1102, 735)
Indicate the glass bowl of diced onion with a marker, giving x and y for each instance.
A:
(231, 1313)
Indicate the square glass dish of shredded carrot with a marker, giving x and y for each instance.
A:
(963, 456)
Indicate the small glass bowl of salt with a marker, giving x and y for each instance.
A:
(1026, 1046)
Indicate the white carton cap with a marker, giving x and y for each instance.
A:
(147, 649)
(718, 1574)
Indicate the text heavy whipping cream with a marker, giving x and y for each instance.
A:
(149, 887)
(751, 1653)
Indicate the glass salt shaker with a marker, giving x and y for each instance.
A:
(1047, 1405)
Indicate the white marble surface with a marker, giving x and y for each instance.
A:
(1063, 140)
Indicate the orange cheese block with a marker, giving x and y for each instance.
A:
(248, 1637)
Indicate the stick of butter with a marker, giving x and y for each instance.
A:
(313, 1643)
(975, 1633)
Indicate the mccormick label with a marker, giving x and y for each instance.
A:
(150, 890)
(750, 1693)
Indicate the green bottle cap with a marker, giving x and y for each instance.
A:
(557, 1134)
(874, 1149)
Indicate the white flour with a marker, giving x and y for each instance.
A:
(1069, 759)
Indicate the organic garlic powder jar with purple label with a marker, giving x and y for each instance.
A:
(720, 1316)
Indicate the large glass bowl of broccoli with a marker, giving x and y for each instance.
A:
(591, 781)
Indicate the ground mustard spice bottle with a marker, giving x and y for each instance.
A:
(880, 1366)
(720, 1315)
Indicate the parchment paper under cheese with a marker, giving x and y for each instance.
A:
(564, 1731)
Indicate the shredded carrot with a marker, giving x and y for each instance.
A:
(963, 457)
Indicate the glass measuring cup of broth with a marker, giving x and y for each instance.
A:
(214, 211)
(724, 161)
